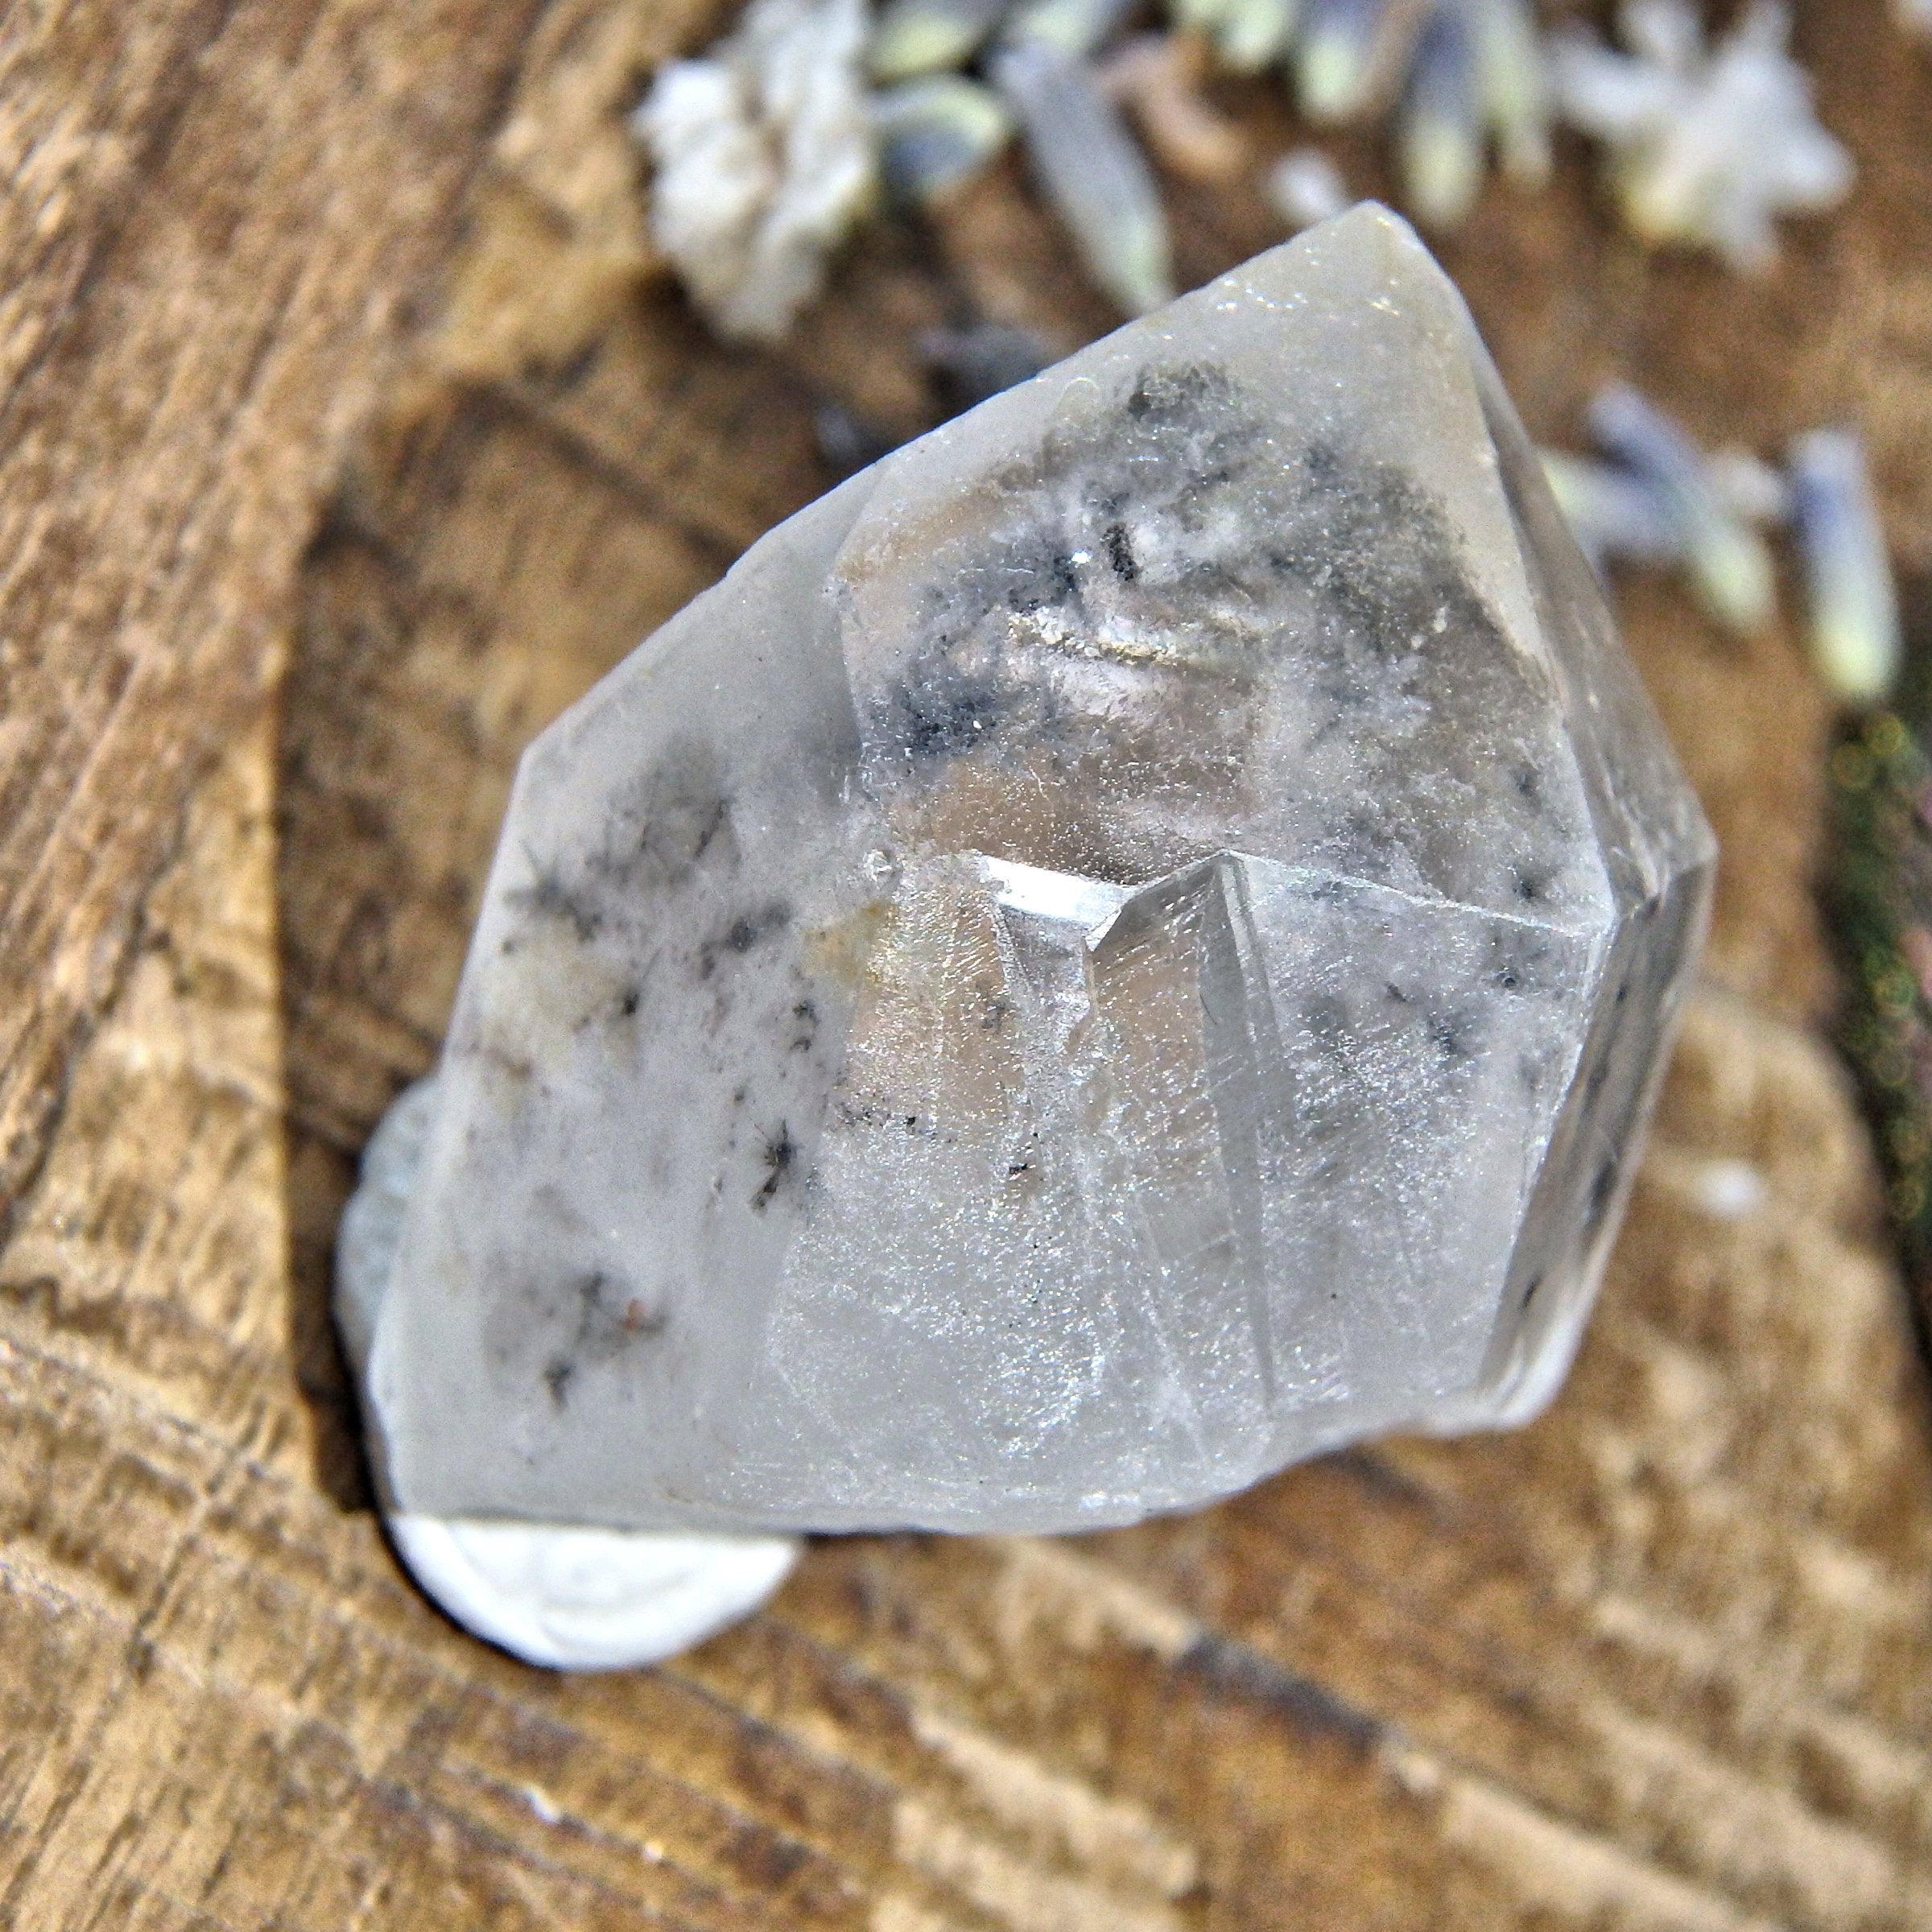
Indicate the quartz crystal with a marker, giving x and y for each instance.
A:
(1126, 945)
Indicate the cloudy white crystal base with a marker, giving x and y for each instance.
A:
(586, 1599)
(569, 1596)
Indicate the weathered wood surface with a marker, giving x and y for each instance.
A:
(1662, 1662)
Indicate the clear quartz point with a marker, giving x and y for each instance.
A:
(1127, 945)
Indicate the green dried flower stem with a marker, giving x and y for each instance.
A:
(1878, 899)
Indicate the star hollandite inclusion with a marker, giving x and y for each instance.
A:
(1127, 945)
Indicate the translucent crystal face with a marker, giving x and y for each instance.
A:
(1126, 945)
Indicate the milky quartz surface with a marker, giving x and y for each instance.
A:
(1128, 945)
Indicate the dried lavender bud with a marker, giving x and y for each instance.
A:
(1854, 604)
(935, 133)
(1615, 515)
(1334, 60)
(1512, 81)
(1305, 186)
(924, 36)
(1249, 34)
(1090, 170)
(1076, 27)
(1441, 133)
(1749, 485)
(1728, 562)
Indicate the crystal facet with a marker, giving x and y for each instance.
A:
(1127, 945)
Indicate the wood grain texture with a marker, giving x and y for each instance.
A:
(1661, 1663)
(212, 218)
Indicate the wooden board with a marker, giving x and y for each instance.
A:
(280, 608)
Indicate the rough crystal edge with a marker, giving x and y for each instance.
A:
(1526, 1376)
